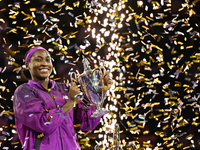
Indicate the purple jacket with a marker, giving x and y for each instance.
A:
(42, 123)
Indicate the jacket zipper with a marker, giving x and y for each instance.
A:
(61, 139)
(59, 127)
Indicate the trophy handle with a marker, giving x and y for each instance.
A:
(100, 70)
(75, 77)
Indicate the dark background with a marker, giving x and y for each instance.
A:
(159, 87)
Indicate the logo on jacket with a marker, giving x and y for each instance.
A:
(65, 97)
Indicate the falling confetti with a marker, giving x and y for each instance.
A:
(150, 47)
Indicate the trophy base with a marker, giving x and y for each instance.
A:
(99, 113)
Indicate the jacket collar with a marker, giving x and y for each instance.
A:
(38, 84)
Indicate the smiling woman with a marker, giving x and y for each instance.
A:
(26, 74)
(39, 65)
(44, 109)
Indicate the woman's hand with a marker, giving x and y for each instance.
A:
(73, 91)
(106, 82)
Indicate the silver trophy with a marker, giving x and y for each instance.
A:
(90, 82)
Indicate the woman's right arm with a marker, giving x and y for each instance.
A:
(73, 90)
(30, 111)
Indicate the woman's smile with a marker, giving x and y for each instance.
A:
(44, 70)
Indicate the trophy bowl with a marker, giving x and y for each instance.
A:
(90, 82)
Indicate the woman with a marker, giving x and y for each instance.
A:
(44, 109)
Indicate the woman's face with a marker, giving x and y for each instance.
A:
(40, 65)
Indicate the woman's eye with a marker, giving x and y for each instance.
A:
(38, 59)
(48, 60)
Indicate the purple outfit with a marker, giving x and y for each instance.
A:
(42, 123)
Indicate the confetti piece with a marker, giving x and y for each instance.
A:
(77, 125)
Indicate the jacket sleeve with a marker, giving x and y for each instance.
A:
(82, 117)
(30, 111)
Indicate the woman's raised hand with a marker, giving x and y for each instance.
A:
(106, 82)
(73, 91)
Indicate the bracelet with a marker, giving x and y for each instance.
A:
(74, 103)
